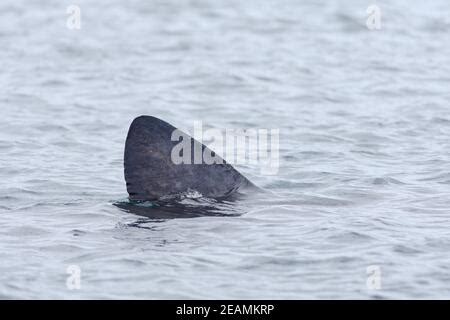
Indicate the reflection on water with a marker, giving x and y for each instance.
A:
(180, 208)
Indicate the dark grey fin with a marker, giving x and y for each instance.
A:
(151, 174)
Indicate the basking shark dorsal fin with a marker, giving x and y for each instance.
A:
(150, 172)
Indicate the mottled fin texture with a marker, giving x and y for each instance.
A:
(151, 174)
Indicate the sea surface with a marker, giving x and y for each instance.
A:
(359, 208)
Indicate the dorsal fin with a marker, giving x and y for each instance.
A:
(150, 172)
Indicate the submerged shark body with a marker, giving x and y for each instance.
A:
(152, 174)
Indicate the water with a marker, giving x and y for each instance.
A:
(364, 125)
